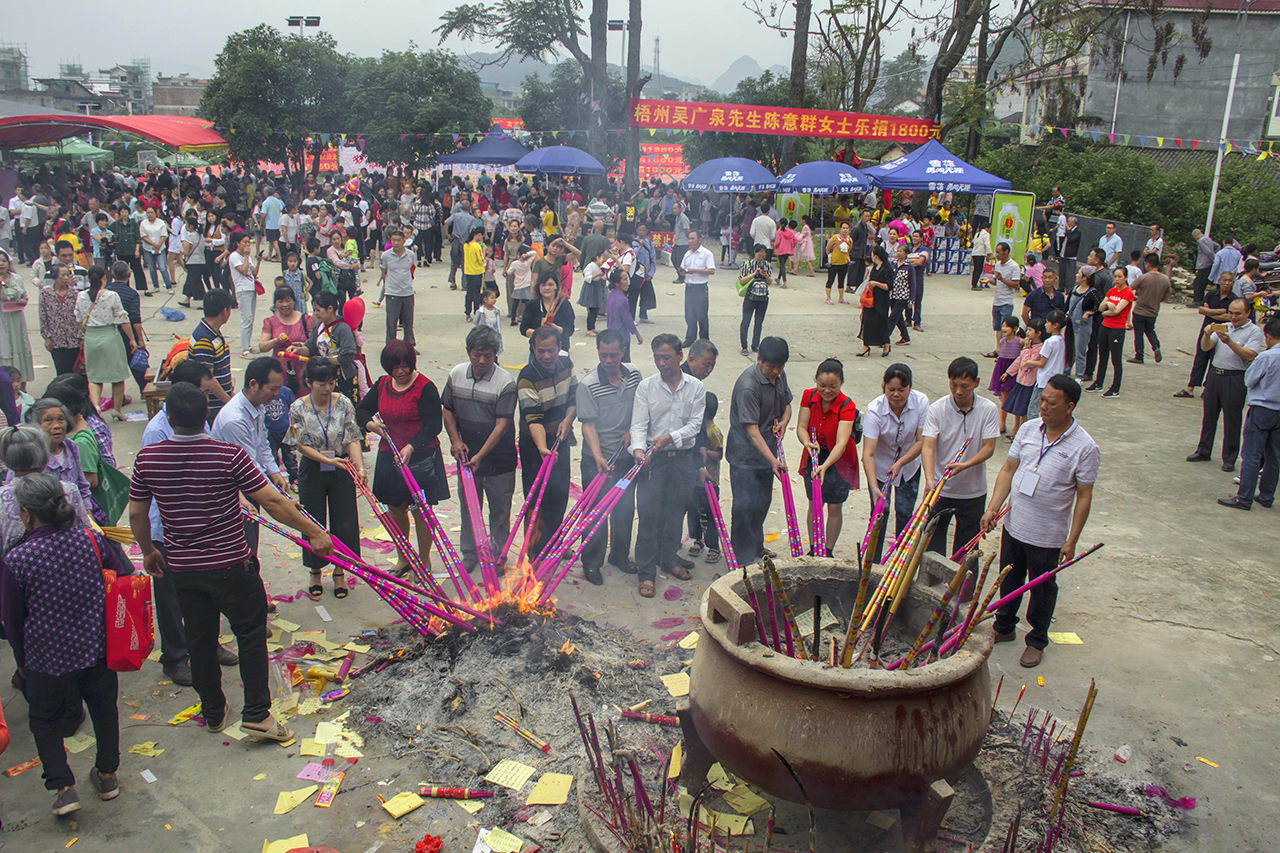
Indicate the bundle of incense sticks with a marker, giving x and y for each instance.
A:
(881, 506)
(514, 724)
(790, 628)
(440, 792)
(586, 500)
(593, 521)
(427, 514)
(958, 556)
(730, 558)
(544, 470)
(789, 505)
(660, 719)
(900, 565)
(479, 530)
(818, 535)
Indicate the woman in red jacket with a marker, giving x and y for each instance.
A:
(825, 428)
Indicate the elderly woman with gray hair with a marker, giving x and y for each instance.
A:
(55, 420)
(53, 599)
(25, 451)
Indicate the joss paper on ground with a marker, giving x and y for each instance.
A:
(184, 715)
(737, 824)
(79, 742)
(403, 803)
(284, 845)
(287, 801)
(510, 774)
(745, 801)
(689, 641)
(311, 746)
(881, 820)
(501, 841)
(719, 778)
(677, 683)
(805, 619)
(551, 789)
(677, 759)
(314, 772)
(470, 806)
(286, 625)
(1065, 638)
(148, 749)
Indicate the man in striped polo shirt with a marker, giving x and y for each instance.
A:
(479, 402)
(196, 482)
(1048, 479)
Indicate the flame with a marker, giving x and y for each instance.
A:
(567, 648)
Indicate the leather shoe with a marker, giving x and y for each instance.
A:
(1031, 656)
(179, 673)
(226, 657)
(1004, 638)
(683, 563)
(1196, 457)
(1228, 466)
(593, 576)
(1266, 504)
(625, 566)
(1234, 503)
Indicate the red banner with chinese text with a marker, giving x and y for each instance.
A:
(783, 121)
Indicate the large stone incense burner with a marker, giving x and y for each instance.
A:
(859, 739)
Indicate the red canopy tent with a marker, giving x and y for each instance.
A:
(183, 133)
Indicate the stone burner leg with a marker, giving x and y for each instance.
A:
(921, 821)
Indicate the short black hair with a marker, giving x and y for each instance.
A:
(322, 370)
(1273, 327)
(191, 372)
(774, 350)
(666, 339)
(963, 368)
(396, 353)
(900, 372)
(260, 370)
(541, 334)
(830, 365)
(1068, 386)
(186, 406)
(1152, 259)
(611, 336)
(1056, 317)
(323, 299)
(216, 301)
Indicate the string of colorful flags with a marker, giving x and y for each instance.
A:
(1134, 140)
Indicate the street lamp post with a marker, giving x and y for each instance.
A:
(302, 21)
(1241, 14)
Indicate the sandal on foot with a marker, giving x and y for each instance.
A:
(713, 556)
(647, 589)
(1184, 393)
(340, 589)
(276, 733)
(695, 548)
(315, 588)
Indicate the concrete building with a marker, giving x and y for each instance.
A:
(177, 96)
(1105, 87)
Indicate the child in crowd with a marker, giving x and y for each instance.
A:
(593, 296)
(521, 269)
(725, 242)
(276, 418)
(1032, 273)
(784, 245)
(1019, 396)
(709, 444)
(1010, 347)
(22, 399)
(489, 314)
(490, 271)
(293, 277)
(1050, 362)
(617, 310)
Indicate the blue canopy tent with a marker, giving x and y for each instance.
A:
(823, 177)
(496, 149)
(729, 175)
(560, 160)
(933, 167)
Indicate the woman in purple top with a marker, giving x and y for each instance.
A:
(52, 612)
(617, 310)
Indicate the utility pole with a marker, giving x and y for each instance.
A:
(657, 65)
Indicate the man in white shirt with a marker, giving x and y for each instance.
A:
(1111, 246)
(763, 229)
(697, 265)
(1005, 280)
(1235, 344)
(951, 420)
(665, 421)
(396, 264)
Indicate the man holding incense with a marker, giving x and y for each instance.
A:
(759, 412)
(606, 397)
(548, 394)
(664, 428)
(197, 483)
(1048, 480)
(479, 402)
(959, 416)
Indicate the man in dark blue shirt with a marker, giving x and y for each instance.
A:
(120, 271)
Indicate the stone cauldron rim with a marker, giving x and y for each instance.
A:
(858, 682)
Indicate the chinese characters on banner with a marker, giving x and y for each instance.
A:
(662, 161)
(784, 121)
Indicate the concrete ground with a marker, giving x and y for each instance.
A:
(1176, 614)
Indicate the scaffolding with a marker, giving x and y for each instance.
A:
(13, 66)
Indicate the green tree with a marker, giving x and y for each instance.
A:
(270, 91)
(901, 79)
(394, 97)
(560, 103)
(767, 90)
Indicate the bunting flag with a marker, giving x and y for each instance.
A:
(1159, 141)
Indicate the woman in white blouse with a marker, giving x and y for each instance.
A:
(892, 438)
(106, 361)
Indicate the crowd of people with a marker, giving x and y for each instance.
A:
(306, 408)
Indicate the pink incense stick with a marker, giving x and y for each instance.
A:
(731, 559)
(531, 523)
(479, 532)
(568, 531)
(789, 506)
(819, 537)
(1003, 600)
(972, 543)
(543, 471)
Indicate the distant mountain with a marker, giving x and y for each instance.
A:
(511, 75)
(742, 68)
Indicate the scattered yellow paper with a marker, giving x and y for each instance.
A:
(501, 841)
(285, 744)
(327, 731)
(308, 706)
(184, 715)
(677, 683)
(346, 750)
(1204, 760)
(284, 845)
(510, 774)
(79, 742)
(358, 648)
(311, 746)
(677, 759)
(259, 777)
(403, 803)
(737, 824)
(154, 657)
(551, 789)
(471, 806)
(148, 749)
(805, 619)
(234, 731)
(1065, 638)
(287, 801)
(286, 625)
(226, 638)
(720, 779)
(769, 537)
(274, 647)
(743, 800)
(689, 641)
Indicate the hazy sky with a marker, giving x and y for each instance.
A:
(186, 38)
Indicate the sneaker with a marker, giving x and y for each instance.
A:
(179, 673)
(1134, 360)
(226, 657)
(746, 351)
(1110, 394)
(66, 802)
(106, 784)
(1092, 388)
(902, 342)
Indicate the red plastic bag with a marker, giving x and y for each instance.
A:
(130, 621)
